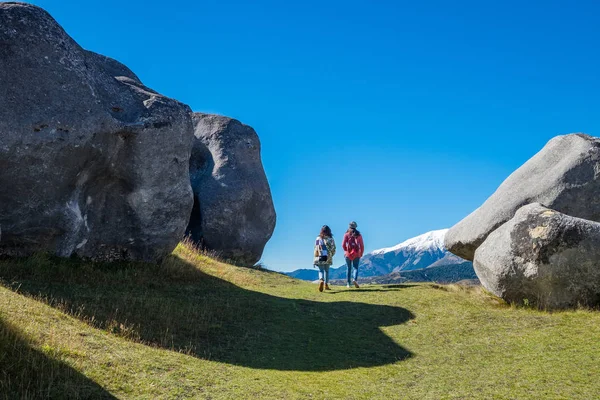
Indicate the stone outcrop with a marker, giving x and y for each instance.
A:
(564, 176)
(92, 162)
(544, 258)
(233, 211)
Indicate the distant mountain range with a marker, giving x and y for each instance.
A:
(450, 273)
(424, 252)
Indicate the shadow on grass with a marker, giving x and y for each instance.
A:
(178, 307)
(27, 373)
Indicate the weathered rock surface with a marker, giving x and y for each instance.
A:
(92, 162)
(564, 175)
(233, 210)
(543, 257)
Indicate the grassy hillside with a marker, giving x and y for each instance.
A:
(437, 273)
(196, 328)
(442, 273)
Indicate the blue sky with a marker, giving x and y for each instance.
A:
(403, 116)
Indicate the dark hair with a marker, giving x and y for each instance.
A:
(325, 232)
(353, 231)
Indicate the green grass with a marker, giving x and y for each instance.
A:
(197, 328)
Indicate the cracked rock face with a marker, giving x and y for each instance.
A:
(92, 162)
(564, 176)
(544, 258)
(233, 210)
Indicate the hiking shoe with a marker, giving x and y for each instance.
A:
(327, 287)
(347, 285)
(321, 284)
(356, 284)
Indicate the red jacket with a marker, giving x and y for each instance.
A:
(361, 247)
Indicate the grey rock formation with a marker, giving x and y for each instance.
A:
(564, 175)
(542, 257)
(233, 210)
(92, 162)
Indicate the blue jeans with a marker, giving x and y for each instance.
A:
(324, 273)
(352, 264)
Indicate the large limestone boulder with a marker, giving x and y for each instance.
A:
(92, 162)
(564, 175)
(233, 210)
(542, 257)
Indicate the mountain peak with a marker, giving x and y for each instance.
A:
(433, 240)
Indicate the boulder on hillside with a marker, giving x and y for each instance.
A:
(233, 210)
(544, 258)
(92, 162)
(564, 175)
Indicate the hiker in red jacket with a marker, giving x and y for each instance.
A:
(354, 248)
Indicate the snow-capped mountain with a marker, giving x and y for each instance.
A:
(424, 242)
(423, 251)
(415, 253)
(419, 252)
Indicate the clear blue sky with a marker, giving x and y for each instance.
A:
(403, 116)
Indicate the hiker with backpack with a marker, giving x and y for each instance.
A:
(324, 252)
(354, 248)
